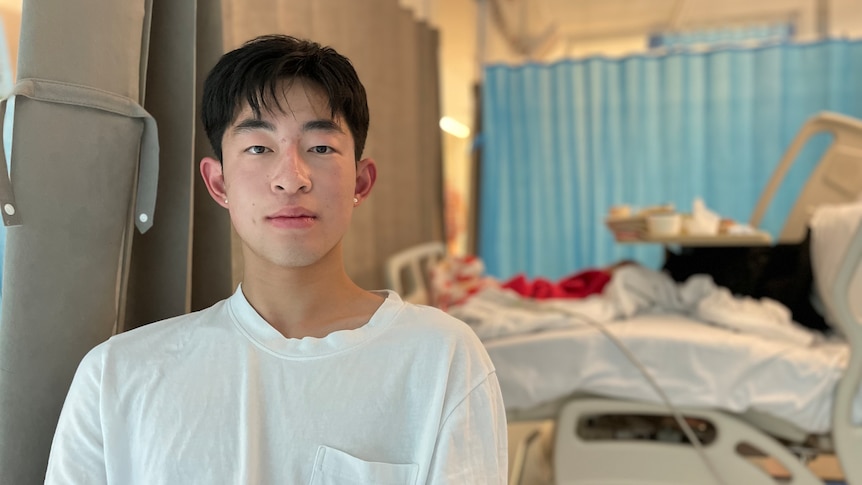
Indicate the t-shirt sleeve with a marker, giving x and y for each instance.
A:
(471, 447)
(77, 452)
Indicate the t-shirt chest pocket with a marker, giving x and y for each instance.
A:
(334, 467)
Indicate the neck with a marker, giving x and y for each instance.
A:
(310, 301)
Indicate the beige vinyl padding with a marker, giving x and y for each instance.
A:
(837, 177)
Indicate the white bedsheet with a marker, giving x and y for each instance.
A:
(695, 364)
(634, 290)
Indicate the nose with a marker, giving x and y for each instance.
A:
(291, 173)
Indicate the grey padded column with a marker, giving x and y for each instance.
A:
(74, 170)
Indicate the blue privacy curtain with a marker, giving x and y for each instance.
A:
(564, 142)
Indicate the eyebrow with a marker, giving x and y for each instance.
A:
(322, 125)
(252, 124)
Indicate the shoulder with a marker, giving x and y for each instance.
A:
(451, 351)
(431, 322)
(433, 317)
(167, 336)
(434, 334)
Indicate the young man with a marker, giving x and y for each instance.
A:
(300, 377)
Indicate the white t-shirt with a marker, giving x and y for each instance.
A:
(221, 397)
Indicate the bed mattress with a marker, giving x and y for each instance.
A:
(695, 364)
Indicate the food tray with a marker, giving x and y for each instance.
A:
(627, 228)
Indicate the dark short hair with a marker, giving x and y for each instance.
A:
(252, 74)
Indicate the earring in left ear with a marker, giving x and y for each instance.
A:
(355, 201)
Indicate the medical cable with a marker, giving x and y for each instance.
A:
(677, 415)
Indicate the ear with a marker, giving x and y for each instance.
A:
(213, 175)
(366, 174)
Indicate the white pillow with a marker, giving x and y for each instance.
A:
(832, 227)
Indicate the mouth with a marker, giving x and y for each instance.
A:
(297, 218)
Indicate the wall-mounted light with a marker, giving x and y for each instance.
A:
(454, 127)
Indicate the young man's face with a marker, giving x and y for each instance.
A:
(289, 179)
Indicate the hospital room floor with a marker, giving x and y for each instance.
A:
(537, 465)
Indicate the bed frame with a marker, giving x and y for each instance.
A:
(407, 272)
(836, 179)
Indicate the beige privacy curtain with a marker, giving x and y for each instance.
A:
(95, 78)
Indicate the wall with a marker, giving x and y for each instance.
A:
(10, 15)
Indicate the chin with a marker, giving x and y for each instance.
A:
(292, 254)
(295, 260)
(298, 258)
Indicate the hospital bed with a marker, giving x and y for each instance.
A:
(627, 414)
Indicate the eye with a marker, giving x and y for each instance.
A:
(257, 149)
(321, 149)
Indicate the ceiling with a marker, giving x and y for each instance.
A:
(588, 19)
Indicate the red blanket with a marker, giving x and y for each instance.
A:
(578, 285)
